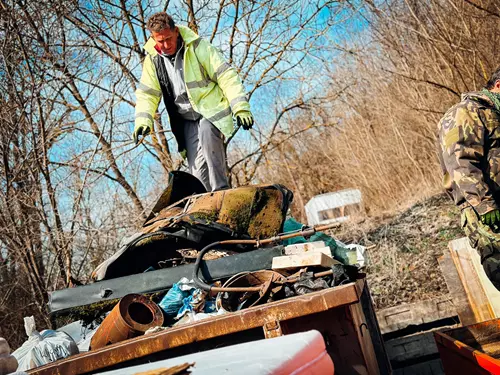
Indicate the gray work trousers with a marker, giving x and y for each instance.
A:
(206, 154)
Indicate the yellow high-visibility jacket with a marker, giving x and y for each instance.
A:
(213, 87)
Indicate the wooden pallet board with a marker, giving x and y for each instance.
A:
(400, 317)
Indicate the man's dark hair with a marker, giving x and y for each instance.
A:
(160, 21)
(493, 79)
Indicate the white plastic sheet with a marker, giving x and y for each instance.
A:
(360, 254)
(43, 347)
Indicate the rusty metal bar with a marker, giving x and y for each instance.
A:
(253, 317)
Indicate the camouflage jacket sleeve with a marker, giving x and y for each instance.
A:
(462, 137)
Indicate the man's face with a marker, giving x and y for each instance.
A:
(496, 88)
(166, 40)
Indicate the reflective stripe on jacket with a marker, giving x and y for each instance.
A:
(213, 86)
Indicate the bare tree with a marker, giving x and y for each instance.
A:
(70, 174)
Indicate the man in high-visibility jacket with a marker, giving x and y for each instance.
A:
(201, 92)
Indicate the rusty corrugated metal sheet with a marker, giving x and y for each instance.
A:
(253, 317)
(131, 317)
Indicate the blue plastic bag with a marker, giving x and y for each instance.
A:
(193, 303)
(174, 299)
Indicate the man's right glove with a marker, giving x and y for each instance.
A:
(244, 119)
(183, 154)
(490, 218)
(141, 130)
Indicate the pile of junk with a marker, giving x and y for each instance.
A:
(199, 254)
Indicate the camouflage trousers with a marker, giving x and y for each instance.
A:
(486, 240)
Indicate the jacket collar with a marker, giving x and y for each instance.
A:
(187, 35)
(479, 96)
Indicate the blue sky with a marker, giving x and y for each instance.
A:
(263, 103)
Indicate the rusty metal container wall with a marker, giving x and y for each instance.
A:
(131, 317)
(473, 349)
(335, 312)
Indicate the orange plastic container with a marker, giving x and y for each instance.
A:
(473, 349)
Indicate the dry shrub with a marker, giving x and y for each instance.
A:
(381, 134)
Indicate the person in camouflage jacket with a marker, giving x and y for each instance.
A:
(469, 152)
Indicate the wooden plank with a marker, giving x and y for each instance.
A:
(400, 317)
(456, 290)
(302, 260)
(304, 247)
(460, 251)
(325, 250)
(492, 293)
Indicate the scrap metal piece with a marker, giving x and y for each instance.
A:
(286, 311)
(272, 329)
(234, 301)
(68, 300)
(131, 317)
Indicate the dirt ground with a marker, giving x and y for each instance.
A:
(403, 250)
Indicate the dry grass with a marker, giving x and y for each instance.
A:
(404, 249)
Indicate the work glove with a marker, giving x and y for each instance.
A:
(244, 119)
(490, 218)
(141, 130)
(183, 154)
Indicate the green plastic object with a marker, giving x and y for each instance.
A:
(339, 252)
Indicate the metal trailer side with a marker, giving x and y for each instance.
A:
(344, 315)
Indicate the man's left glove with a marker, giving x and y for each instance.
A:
(141, 130)
(244, 119)
(490, 218)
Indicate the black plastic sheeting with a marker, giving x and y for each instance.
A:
(61, 301)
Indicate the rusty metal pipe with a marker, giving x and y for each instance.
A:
(316, 275)
(202, 285)
(131, 317)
